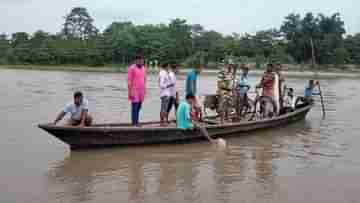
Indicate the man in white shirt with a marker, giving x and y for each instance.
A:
(164, 85)
(78, 110)
(174, 98)
(289, 101)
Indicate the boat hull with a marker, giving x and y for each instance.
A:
(107, 135)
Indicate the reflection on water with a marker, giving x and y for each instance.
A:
(179, 173)
(158, 171)
(295, 163)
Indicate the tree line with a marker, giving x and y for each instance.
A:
(299, 40)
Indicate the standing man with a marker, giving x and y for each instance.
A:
(309, 91)
(281, 79)
(267, 81)
(174, 96)
(267, 84)
(136, 87)
(278, 70)
(225, 79)
(308, 94)
(78, 110)
(191, 88)
(164, 85)
(243, 86)
(191, 80)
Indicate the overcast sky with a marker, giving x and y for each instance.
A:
(224, 16)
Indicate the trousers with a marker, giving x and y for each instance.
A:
(135, 112)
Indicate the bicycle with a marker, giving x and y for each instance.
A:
(264, 107)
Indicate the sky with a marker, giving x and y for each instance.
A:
(225, 16)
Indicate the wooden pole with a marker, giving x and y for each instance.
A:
(321, 99)
(234, 76)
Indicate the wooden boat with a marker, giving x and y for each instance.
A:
(106, 135)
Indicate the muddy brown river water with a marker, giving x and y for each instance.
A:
(313, 160)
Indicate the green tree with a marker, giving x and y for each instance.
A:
(4, 48)
(79, 24)
(121, 39)
(319, 35)
(181, 33)
(341, 56)
(352, 45)
(19, 39)
(331, 39)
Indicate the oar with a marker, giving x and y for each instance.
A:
(234, 77)
(220, 142)
(321, 99)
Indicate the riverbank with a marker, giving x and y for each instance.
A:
(75, 68)
(330, 73)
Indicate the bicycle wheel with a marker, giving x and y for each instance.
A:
(248, 109)
(264, 107)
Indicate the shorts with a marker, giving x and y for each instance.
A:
(225, 103)
(172, 102)
(241, 100)
(165, 100)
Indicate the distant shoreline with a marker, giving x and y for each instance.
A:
(332, 73)
(70, 68)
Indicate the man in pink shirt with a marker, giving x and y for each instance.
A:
(136, 87)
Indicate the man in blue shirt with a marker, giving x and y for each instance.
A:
(183, 113)
(243, 83)
(243, 86)
(308, 93)
(191, 80)
(309, 89)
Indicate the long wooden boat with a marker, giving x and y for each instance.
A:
(106, 135)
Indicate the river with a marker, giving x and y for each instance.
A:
(313, 160)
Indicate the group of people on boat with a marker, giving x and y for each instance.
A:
(231, 90)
